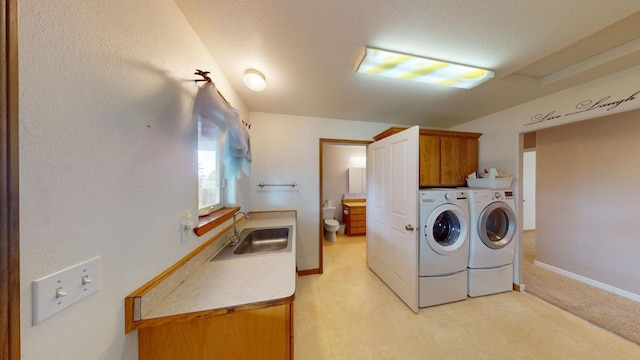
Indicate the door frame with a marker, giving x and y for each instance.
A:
(9, 180)
(323, 141)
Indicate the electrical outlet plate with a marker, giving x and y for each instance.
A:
(58, 291)
(186, 227)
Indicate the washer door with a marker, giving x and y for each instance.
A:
(446, 229)
(497, 225)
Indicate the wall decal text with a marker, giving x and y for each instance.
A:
(584, 106)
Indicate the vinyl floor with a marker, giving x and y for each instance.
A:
(349, 313)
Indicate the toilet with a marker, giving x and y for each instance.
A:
(331, 226)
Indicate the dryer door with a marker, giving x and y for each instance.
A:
(497, 225)
(445, 230)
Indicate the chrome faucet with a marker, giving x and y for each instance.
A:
(235, 238)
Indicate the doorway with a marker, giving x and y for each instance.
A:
(529, 190)
(528, 161)
(336, 157)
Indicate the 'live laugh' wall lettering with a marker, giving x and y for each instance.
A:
(583, 106)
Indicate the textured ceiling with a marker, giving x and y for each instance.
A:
(308, 51)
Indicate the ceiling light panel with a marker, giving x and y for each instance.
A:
(254, 80)
(414, 68)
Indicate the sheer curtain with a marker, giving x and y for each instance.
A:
(211, 106)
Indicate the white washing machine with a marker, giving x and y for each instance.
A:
(444, 246)
(491, 241)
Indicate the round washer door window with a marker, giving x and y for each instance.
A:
(446, 229)
(497, 225)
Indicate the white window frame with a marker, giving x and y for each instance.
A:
(211, 187)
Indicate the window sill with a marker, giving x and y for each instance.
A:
(209, 222)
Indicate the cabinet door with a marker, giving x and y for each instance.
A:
(468, 158)
(429, 160)
(264, 333)
(458, 158)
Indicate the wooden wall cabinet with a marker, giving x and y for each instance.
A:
(446, 157)
(262, 333)
(357, 180)
(447, 160)
(354, 215)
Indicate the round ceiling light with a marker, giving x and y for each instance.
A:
(254, 80)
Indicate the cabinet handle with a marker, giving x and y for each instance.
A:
(409, 228)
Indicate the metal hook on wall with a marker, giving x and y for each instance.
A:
(204, 74)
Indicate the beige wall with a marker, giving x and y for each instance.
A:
(588, 199)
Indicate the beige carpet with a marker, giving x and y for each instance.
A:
(615, 313)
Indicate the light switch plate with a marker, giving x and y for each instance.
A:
(56, 292)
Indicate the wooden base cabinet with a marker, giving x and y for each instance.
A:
(354, 215)
(262, 333)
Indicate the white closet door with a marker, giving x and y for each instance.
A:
(392, 213)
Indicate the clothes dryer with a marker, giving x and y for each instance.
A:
(444, 246)
(491, 241)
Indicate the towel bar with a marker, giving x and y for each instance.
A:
(261, 184)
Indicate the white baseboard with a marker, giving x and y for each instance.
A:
(588, 281)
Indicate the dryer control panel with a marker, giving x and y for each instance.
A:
(502, 195)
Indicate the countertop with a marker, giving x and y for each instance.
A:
(228, 283)
(354, 203)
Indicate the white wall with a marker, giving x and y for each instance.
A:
(499, 144)
(286, 148)
(529, 190)
(107, 158)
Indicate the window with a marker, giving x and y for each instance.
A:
(209, 168)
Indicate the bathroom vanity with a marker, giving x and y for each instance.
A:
(354, 215)
(230, 308)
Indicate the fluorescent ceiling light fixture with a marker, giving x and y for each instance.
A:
(420, 69)
(254, 80)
